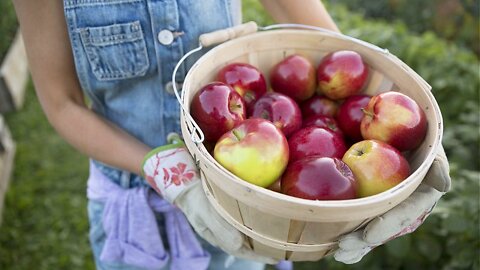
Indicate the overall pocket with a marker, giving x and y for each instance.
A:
(116, 51)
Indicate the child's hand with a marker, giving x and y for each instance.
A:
(402, 219)
(171, 171)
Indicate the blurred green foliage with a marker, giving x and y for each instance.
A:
(8, 26)
(454, 20)
(45, 223)
(452, 71)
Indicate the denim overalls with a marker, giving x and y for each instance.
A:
(125, 52)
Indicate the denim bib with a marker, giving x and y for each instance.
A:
(125, 52)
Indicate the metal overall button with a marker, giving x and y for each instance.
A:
(165, 37)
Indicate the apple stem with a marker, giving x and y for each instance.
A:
(237, 134)
(235, 107)
(360, 152)
(368, 112)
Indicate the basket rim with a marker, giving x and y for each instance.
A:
(283, 245)
(366, 201)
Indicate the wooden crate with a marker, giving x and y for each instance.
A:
(7, 153)
(13, 76)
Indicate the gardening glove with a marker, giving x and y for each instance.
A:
(400, 220)
(171, 171)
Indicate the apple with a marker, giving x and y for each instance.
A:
(318, 105)
(376, 165)
(323, 121)
(279, 109)
(341, 74)
(319, 178)
(350, 115)
(246, 79)
(217, 108)
(294, 76)
(315, 141)
(396, 119)
(254, 150)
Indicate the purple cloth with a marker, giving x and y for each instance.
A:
(284, 265)
(131, 229)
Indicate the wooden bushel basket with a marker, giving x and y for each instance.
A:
(281, 226)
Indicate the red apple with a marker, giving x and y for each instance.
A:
(318, 105)
(323, 121)
(396, 119)
(294, 76)
(255, 150)
(280, 110)
(319, 178)
(217, 108)
(350, 115)
(341, 74)
(315, 141)
(377, 166)
(246, 79)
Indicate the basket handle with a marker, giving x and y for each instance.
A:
(219, 36)
(197, 135)
(223, 35)
(206, 40)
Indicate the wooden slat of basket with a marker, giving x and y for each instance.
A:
(266, 224)
(377, 83)
(296, 230)
(268, 251)
(261, 238)
(316, 232)
(307, 256)
(231, 206)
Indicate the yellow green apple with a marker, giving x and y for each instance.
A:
(255, 150)
(377, 166)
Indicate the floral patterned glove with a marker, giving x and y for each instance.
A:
(171, 171)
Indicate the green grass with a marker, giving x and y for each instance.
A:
(8, 26)
(45, 220)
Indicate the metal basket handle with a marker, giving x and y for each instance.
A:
(206, 40)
